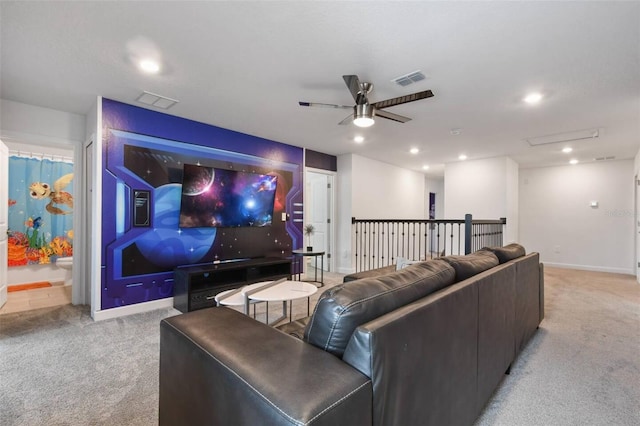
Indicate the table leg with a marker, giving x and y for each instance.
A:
(315, 268)
(321, 271)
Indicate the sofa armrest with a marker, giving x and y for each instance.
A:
(370, 273)
(218, 366)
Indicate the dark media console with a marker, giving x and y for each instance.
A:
(195, 286)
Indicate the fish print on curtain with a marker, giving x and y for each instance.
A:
(40, 210)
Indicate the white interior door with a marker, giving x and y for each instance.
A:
(318, 210)
(4, 220)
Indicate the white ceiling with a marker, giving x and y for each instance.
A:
(245, 65)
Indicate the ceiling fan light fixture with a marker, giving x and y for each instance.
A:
(363, 115)
(363, 121)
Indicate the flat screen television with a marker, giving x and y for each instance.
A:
(222, 198)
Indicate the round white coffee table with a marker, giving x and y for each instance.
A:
(279, 291)
(235, 297)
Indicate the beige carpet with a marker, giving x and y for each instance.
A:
(583, 365)
(58, 367)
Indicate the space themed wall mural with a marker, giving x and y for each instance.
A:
(152, 223)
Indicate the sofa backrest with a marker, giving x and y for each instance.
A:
(432, 360)
(506, 253)
(422, 359)
(346, 306)
(471, 264)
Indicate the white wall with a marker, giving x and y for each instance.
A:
(49, 126)
(30, 128)
(512, 201)
(383, 191)
(370, 189)
(636, 169)
(344, 214)
(557, 221)
(487, 189)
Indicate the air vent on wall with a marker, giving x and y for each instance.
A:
(609, 158)
(407, 79)
(157, 101)
(564, 137)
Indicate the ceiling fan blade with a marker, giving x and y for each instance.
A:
(321, 105)
(348, 119)
(353, 83)
(391, 116)
(403, 99)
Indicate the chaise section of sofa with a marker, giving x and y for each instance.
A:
(220, 367)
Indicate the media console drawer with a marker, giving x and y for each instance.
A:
(207, 298)
(195, 286)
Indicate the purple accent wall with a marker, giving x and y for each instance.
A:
(143, 155)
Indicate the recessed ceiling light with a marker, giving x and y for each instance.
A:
(567, 150)
(414, 150)
(533, 98)
(149, 66)
(358, 139)
(425, 167)
(573, 161)
(462, 157)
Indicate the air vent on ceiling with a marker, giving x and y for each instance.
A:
(609, 158)
(407, 79)
(564, 137)
(155, 100)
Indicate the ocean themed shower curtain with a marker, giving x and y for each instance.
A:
(40, 210)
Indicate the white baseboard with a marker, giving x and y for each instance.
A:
(627, 271)
(132, 309)
(345, 271)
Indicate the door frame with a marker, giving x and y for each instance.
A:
(4, 222)
(636, 225)
(331, 213)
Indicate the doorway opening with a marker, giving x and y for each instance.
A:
(41, 227)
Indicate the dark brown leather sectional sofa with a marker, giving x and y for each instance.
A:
(426, 345)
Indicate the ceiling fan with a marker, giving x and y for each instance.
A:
(363, 111)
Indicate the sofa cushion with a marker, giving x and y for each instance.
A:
(341, 309)
(506, 253)
(471, 264)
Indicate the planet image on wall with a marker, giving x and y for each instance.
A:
(167, 245)
(201, 179)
